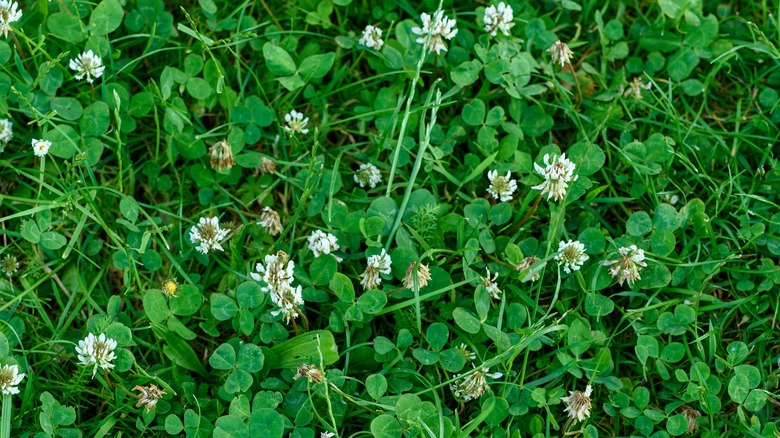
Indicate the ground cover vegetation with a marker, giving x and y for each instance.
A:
(343, 218)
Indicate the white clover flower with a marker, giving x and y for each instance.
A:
(491, 286)
(372, 37)
(557, 174)
(376, 264)
(277, 274)
(148, 396)
(468, 354)
(560, 53)
(525, 265)
(417, 271)
(628, 266)
(9, 13)
(97, 352)
(327, 435)
(87, 64)
(269, 219)
(473, 385)
(296, 123)
(635, 88)
(571, 255)
(437, 28)
(578, 403)
(322, 243)
(368, 175)
(498, 18)
(40, 147)
(10, 379)
(6, 130)
(9, 265)
(208, 235)
(501, 187)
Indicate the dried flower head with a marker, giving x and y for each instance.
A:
(691, 415)
(170, 287)
(6, 131)
(221, 156)
(377, 264)
(96, 351)
(557, 174)
(296, 123)
(9, 13)
(525, 266)
(9, 265)
(501, 187)
(419, 272)
(368, 175)
(498, 19)
(322, 243)
(269, 219)
(635, 88)
(472, 386)
(436, 29)
(372, 37)
(491, 286)
(628, 266)
(208, 235)
(468, 354)
(277, 274)
(10, 379)
(148, 396)
(310, 372)
(578, 403)
(560, 53)
(87, 64)
(266, 166)
(40, 147)
(571, 255)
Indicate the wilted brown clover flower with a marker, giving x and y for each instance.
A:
(525, 266)
(221, 157)
(149, 396)
(578, 403)
(310, 372)
(269, 219)
(420, 272)
(691, 415)
(561, 53)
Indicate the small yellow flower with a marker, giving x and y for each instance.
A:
(170, 287)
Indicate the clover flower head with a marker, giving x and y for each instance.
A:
(472, 386)
(10, 378)
(222, 157)
(468, 354)
(277, 274)
(208, 235)
(9, 13)
(690, 415)
(501, 187)
(417, 271)
(368, 175)
(266, 166)
(321, 243)
(269, 219)
(498, 18)
(6, 131)
(148, 396)
(372, 37)
(438, 27)
(310, 372)
(88, 65)
(377, 264)
(96, 351)
(557, 173)
(9, 265)
(627, 267)
(170, 287)
(40, 147)
(578, 403)
(635, 88)
(561, 53)
(571, 255)
(296, 123)
(491, 286)
(525, 265)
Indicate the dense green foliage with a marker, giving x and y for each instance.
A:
(667, 111)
